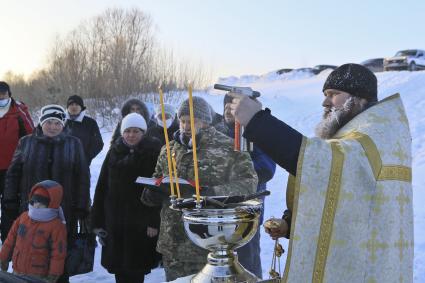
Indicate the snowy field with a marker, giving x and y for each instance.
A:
(296, 99)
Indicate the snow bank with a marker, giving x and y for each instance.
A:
(296, 98)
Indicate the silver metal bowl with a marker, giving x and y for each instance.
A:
(221, 231)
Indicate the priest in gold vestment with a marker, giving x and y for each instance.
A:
(349, 215)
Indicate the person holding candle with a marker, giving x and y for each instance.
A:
(222, 171)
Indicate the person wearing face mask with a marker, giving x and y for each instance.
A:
(15, 122)
(222, 171)
(85, 128)
(36, 244)
(349, 215)
(49, 153)
(127, 229)
(172, 123)
(132, 105)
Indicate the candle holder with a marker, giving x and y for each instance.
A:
(221, 231)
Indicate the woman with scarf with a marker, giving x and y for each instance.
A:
(36, 244)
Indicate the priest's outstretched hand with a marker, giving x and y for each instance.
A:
(244, 107)
(276, 228)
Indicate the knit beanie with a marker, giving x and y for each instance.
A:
(41, 195)
(201, 109)
(4, 87)
(354, 79)
(133, 120)
(227, 99)
(168, 109)
(52, 111)
(76, 99)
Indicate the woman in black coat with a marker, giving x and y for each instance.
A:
(127, 229)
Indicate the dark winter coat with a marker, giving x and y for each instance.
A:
(117, 207)
(39, 158)
(158, 131)
(15, 124)
(285, 145)
(87, 130)
(125, 110)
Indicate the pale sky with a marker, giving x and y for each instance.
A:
(231, 37)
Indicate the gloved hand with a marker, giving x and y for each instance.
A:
(152, 232)
(101, 235)
(52, 278)
(4, 265)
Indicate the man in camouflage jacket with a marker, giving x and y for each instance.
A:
(222, 171)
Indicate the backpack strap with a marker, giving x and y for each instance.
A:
(20, 105)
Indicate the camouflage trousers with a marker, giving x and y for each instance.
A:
(175, 269)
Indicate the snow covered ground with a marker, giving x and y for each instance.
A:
(296, 99)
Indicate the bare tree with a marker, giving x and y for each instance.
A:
(109, 58)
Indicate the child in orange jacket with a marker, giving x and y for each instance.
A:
(36, 243)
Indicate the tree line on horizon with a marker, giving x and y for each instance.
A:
(106, 59)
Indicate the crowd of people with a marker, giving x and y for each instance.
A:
(332, 211)
(45, 186)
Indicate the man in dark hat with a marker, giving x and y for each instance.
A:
(15, 122)
(83, 127)
(349, 195)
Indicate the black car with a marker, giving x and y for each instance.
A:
(319, 68)
(304, 70)
(283, 71)
(375, 64)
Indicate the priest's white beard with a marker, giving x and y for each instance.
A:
(335, 118)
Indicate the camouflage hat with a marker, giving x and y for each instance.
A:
(201, 109)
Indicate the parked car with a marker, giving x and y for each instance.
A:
(375, 64)
(304, 70)
(411, 59)
(319, 68)
(283, 71)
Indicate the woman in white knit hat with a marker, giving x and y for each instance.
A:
(127, 229)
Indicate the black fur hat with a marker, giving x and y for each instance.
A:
(354, 79)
